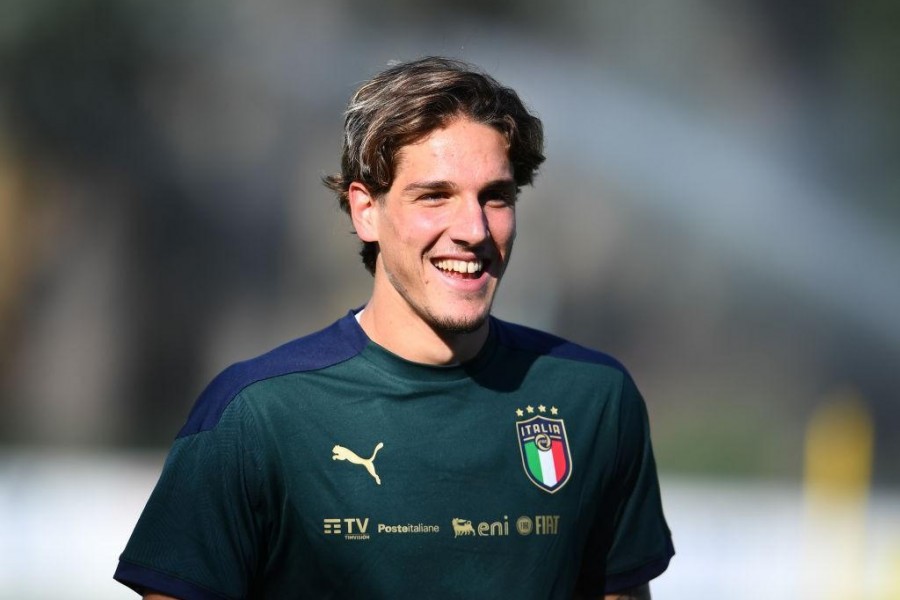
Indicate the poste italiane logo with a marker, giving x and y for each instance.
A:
(544, 447)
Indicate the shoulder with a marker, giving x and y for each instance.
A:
(335, 344)
(541, 343)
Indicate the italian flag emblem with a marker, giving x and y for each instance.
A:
(545, 451)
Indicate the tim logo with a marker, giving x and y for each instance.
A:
(351, 528)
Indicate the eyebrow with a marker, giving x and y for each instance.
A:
(429, 185)
(442, 184)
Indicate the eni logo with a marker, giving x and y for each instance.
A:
(462, 527)
(341, 453)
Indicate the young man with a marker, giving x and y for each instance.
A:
(418, 447)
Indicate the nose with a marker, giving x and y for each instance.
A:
(469, 224)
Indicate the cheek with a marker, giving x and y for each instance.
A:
(503, 228)
(420, 229)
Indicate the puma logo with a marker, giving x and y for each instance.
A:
(341, 453)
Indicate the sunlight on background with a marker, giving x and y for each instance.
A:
(718, 210)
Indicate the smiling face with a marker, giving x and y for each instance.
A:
(445, 229)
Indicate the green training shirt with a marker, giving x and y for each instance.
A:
(332, 468)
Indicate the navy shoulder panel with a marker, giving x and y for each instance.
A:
(340, 341)
(546, 344)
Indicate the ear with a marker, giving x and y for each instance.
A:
(363, 212)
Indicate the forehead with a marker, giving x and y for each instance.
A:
(461, 148)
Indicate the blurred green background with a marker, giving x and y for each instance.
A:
(719, 209)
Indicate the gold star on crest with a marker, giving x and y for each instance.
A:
(519, 412)
(554, 410)
(530, 409)
(542, 408)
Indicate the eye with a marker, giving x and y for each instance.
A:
(434, 196)
(499, 198)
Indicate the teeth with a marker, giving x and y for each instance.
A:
(460, 266)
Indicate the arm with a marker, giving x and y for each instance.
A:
(155, 596)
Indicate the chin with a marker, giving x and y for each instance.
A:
(456, 325)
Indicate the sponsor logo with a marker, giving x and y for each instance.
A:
(355, 528)
(544, 447)
(408, 528)
(538, 525)
(351, 528)
(463, 527)
(524, 525)
(332, 526)
(341, 453)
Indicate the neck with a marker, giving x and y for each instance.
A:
(407, 335)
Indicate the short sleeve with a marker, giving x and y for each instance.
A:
(199, 534)
(632, 543)
(641, 541)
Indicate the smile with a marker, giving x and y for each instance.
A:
(457, 268)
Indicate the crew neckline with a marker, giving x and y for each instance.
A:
(392, 363)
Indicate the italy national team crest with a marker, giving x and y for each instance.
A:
(545, 448)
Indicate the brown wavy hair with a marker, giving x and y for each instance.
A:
(405, 103)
